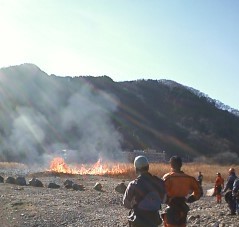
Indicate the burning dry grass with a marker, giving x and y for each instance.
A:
(59, 165)
(127, 171)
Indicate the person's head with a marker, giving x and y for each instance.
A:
(141, 164)
(231, 171)
(218, 174)
(176, 162)
(199, 173)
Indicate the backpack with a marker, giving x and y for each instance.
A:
(151, 191)
(149, 199)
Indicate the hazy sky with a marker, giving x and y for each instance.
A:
(193, 42)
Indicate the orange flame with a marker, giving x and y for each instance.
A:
(58, 165)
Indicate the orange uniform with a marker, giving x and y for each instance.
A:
(179, 185)
(219, 181)
(219, 185)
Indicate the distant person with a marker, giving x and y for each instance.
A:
(219, 184)
(200, 178)
(178, 186)
(144, 196)
(235, 194)
(228, 188)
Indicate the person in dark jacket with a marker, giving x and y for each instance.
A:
(144, 196)
(228, 188)
(235, 194)
(200, 178)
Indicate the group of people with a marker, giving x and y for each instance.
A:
(231, 190)
(146, 193)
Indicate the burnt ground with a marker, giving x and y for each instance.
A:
(31, 206)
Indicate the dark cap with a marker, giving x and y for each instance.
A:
(176, 162)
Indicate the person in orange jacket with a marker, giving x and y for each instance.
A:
(178, 187)
(219, 185)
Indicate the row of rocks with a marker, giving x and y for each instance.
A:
(21, 181)
(11, 180)
(68, 184)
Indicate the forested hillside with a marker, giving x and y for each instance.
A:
(94, 116)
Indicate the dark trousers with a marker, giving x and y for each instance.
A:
(231, 201)
(139, 218)
(176, 213)
(237, 206)
(232, 205)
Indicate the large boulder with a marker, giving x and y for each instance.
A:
(53, 185)
(98, 186)
(21, 181)
(35, 183)
(10, 180)
(78, 187)
(121, 187)
(1, 179)
(68, 184)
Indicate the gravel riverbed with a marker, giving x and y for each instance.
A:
(42, 207)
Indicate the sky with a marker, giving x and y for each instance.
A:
(192, 42)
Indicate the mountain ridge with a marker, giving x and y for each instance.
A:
(103, 117)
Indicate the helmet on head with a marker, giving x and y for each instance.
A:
(141, 162)
(176, 162)
(219, 174)
(231, 170)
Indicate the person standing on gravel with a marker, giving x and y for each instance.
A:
(178, 186)
(219, 185)
(200, 178)
(144, 196)
(235, 194)
(228, 188)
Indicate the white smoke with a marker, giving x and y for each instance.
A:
(81, 129)
(27, 134)
(88, 114)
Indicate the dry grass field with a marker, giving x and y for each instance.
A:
(10, 165)
(208, 170)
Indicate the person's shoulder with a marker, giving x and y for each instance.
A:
(231, 178)
(167, 175)
(236, 182)
(187, 175)
(156, 178)
(184, 175)
(133, 182)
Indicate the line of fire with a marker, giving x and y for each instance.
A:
(101, 167)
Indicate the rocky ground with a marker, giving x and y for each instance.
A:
(37, 207)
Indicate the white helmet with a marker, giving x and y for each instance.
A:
(141, 162)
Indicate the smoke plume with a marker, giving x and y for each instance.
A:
(45, 116)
